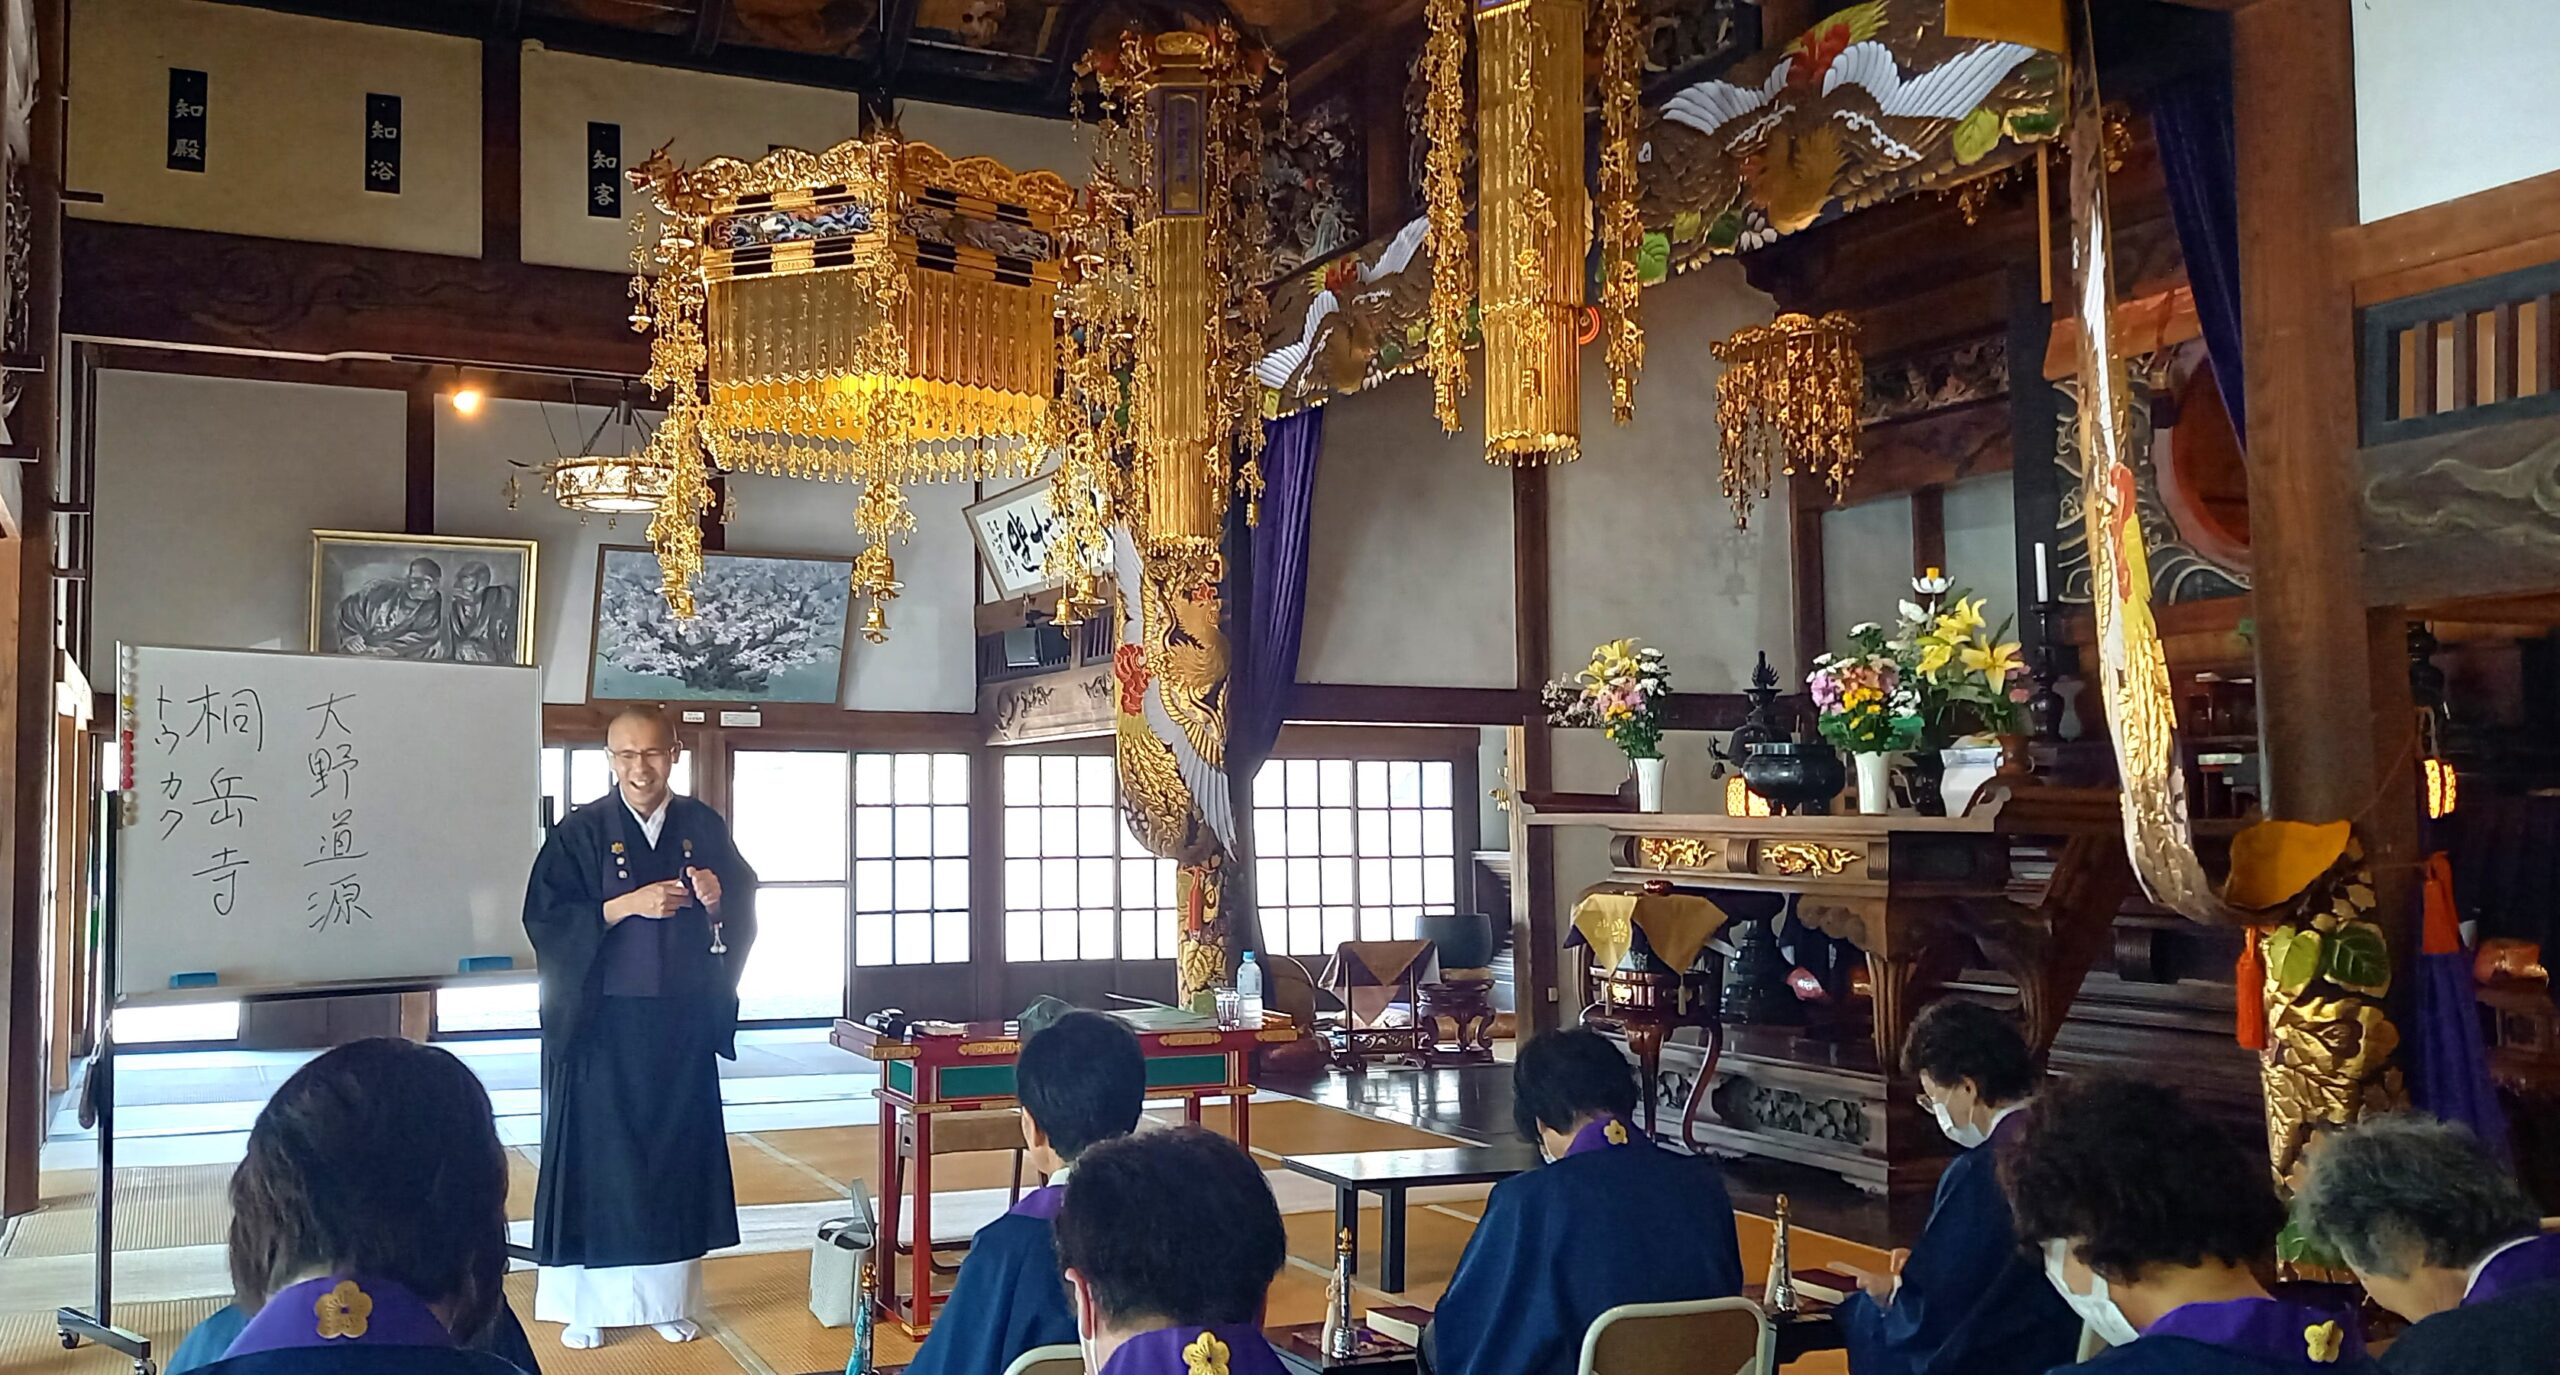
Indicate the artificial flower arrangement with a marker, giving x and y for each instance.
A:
(1959, 665)
(1621, 691)
(1868, 699)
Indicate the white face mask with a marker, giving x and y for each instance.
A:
(2095, 1308)
(1087, 1325)
(1964, 1134)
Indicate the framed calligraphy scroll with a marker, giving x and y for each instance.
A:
(1016, 532)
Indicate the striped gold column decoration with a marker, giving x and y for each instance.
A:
(1534, 224)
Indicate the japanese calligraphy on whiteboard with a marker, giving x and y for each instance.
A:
(296, 820)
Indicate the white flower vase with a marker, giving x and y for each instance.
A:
(1648, 784)
(1875, 782)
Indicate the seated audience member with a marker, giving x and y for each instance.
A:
(1169, 1241)
(1612, 1219)
(1964, 1300)
(369, 1220)
(2151, 1220)
(2441, 1235)
(206, 1342)
(1081, 1080)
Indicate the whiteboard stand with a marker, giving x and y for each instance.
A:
(96, 1324)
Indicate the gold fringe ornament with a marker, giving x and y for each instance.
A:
(1621, 230)
(1444, 195)
(1535, 225)
(1788, 402)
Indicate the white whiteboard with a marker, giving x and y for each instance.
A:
(294, 821)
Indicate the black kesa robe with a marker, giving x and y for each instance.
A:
(635, 1160)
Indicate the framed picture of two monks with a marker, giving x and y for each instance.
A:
(437, 598)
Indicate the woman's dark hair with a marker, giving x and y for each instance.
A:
(1083, 1079)
(379, 1158)
(1566, 1076)
(2139, 1179)
(1172, 1227)
(1953, 1040)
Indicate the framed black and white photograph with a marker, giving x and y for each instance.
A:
(423, 597)
(1016, 530)
(766, 628)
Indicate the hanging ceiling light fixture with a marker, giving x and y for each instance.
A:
(616, 471)
(1788, 402)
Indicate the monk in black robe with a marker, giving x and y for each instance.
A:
(641, 913)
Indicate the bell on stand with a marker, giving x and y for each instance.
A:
(1782, 1281)
(1341, 1334)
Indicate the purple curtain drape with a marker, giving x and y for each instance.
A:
(2191, 118)
(1267, 677)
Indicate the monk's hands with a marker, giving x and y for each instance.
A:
(651, 901)
(1876, 1285)
(706, 886)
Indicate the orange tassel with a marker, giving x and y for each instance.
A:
(2249, 1009)
(2441, 931)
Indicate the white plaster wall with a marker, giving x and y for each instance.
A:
(1024, 143)
(930, 661)
(285, 119)
(1409, 566)
(2452, 97)
(1982, 542)
(1866, 564)
(208, 491)
(1640, 539)
(473, 458)
(703, 114)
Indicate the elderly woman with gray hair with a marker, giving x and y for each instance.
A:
(2440, 1234)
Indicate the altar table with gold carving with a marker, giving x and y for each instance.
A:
(940, 1067)
(2026, 886)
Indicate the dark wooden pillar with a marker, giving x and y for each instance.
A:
(1928, 530)
(1535, 943)
(31, 640)
(2293, 87)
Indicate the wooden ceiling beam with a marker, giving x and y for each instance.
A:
(185, 288)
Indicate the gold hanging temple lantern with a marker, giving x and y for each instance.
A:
(875, 313)
(1788, 402)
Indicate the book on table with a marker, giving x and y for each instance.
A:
(1824, 1285)
(1399, 1322)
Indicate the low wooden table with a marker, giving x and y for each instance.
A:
(1301, 1350)
(1388, 1174)
(946, 1067)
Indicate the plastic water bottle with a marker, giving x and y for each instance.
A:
(1249, 990)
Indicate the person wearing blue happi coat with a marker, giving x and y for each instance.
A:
(210, 1340)
(2151, 1220)
(1963, 1300)
(1081, 1080)
(1169, 1241)
(1612, 1219)
(2440, 1233)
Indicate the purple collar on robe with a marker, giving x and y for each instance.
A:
(337, 1311)
(1180, 1351)
(1603, 1132)
(2528, 1263)
(1042, 1203)
(2279, 1330)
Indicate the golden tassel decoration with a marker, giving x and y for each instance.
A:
(1178, 102)
(1621, 231)
(1444, 195)
(1535, 227)
(1788, 402)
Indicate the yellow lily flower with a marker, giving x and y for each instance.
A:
(1935, 654)
(1992, 661)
